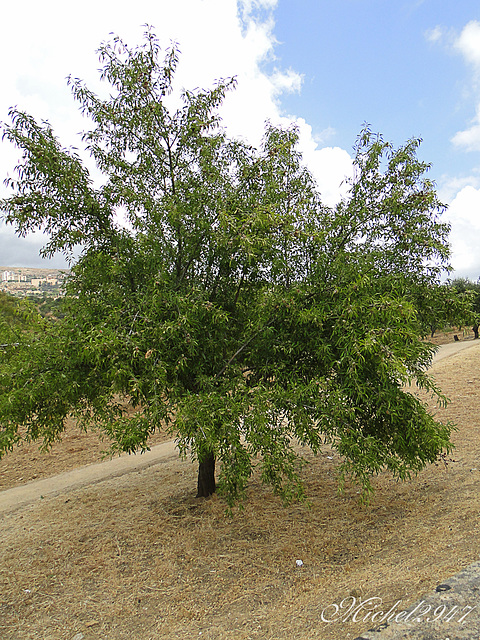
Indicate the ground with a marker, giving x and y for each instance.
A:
(138, 557)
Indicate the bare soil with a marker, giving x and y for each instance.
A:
(138, 557)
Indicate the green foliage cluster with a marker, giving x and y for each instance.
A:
(48, 306)
(440, 306)
(17, 318)
(232, 305)
(470, 292)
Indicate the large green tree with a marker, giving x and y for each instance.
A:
(230, 304)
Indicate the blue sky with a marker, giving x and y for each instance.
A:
(375, 61)
(407, 67)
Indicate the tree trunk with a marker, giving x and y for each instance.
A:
(206, 476)
(475, 331)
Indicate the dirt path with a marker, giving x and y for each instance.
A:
(450, 349)
(18, 497)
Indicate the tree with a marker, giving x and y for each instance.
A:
(440, 306)
(232, 305)
(9, 318)
(17, 317)
(471, 293)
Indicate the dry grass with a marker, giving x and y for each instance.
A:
(139, 558)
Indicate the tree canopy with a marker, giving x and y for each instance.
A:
(17, 318)
(440, 306)
(218, 294)
(470, 292)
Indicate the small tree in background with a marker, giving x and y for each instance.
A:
(441, 306)
(471, 293)
(17, 317)
(232, 306)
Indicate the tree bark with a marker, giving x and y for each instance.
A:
(475, 331)
(206, 476)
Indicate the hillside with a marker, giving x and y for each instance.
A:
(138, 556)
(23, 281)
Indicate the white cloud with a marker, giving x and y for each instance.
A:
(468, 43)
(248, 6)
(463, 214)
(322, 136)
(469, 139)
(450, 186)
(435, 35)
(330, 165)
(463, 193)
(286, 81)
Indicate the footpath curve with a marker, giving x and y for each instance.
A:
(21, 496)
(450, 349)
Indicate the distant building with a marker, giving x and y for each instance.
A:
(36, 282)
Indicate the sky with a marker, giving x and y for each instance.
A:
(408, 68)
